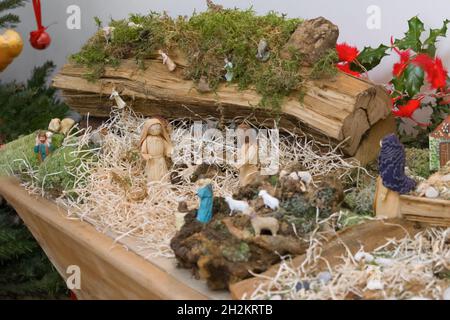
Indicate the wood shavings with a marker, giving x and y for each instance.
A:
(403, 269)
(112, 194)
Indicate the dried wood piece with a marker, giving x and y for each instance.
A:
(341, 110)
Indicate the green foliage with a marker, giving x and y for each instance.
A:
(360, 200)
(24, 268)
(239, 253)
(418, 162)
(411, 40)
(430, 42)
(349, 219)
(413, 79)
(369, 58)
(10, 20)
(207, 39)
(435, 164)
(326, 66)
(54, 173)
(25, 108)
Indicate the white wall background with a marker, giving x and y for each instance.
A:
(349, 15)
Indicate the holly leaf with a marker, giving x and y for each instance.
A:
(432, 38)
(412, 37)
(398, 85)
(414, 79)
(370, 58)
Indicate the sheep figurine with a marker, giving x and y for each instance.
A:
(237, 206)
(269, 201)
(265, 223)
(119, 101)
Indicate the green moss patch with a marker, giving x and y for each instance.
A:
(207, 39)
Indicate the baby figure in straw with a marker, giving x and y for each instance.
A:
(156, 146)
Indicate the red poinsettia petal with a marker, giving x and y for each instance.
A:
(436, 73)
(407, 110)
(346, 53)
(439, 80)
(400, 67)
(345, 67)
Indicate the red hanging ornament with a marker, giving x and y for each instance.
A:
(39, 38)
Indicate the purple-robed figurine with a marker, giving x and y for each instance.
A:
(391, 163)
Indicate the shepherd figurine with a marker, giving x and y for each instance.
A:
(43, 147)
(205, 193)
(156, 147)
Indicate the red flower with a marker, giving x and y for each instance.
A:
(346, 53)
(436, 73)
(405, 56)
(399, 67)
(345, 67)
(407, 110)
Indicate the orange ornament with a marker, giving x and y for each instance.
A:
(11, 45)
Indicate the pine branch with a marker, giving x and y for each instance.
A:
(10, 20)
(40, 74)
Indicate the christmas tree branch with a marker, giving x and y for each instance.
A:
(10, 20)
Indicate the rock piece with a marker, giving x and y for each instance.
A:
(312, 39)
(431, 193)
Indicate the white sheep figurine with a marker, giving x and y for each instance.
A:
(265, 223)
(236, 205)
(269, 201)
(119, 101)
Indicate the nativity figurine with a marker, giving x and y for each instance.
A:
(248, 157)
(392, 162)
(263, 53)
(229, 69)
(43, 147)
(205, 193)
(171, 66)
(156, 147)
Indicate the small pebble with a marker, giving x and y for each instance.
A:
(375, 285)
(276, 297)
(305, 176)
(446, 178)
(302, 285)
(446, 295)
(363, 255)
(324, 277)
(431, 193)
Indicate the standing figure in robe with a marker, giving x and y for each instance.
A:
(247, 164)
(205, 193)
(156, 147)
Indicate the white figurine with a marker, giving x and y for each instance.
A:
(236, 205)
(229, 68)
(269, 201)
(171, 66)
(108, 33)
(119, 101)
(131, 24)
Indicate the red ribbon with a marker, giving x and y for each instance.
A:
(39, 38)
(38, 13)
